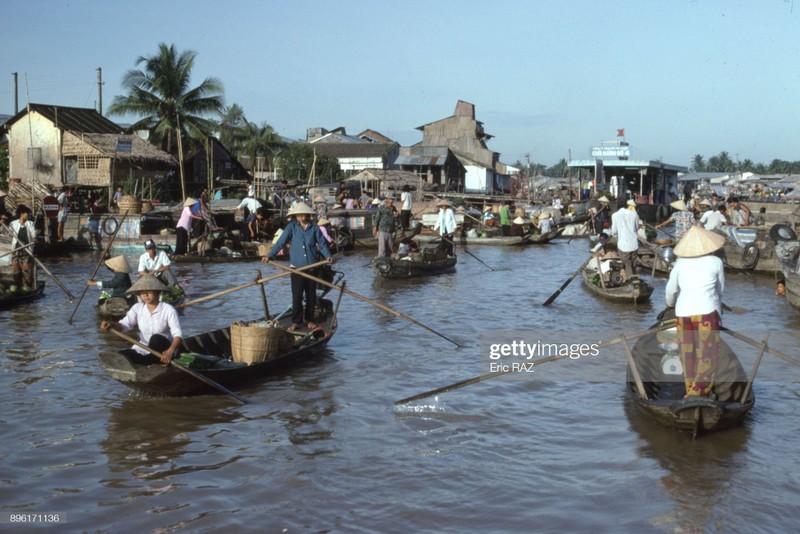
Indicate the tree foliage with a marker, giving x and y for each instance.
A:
(295, 162)
(159, 93)
(722, 162)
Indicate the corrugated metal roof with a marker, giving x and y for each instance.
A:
(353, 150)
(434, 161)
(84, 120)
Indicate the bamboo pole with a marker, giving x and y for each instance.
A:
(41, 265)
(99, 263)
(365, 299)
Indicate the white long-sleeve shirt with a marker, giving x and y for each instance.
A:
(148, 264)
(695, 286)
(164, 321)
(625, 225)
(15, 226)
(446, 223)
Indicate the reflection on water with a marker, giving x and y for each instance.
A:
(321, 446)
(697, 472)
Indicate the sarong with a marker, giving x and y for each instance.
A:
(698, 336)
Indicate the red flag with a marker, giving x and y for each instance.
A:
(620, 132)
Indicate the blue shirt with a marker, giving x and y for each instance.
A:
(303, 244)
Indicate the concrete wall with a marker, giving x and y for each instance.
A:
(38, 132)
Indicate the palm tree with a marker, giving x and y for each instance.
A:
(231, 126)
(261, 141)
(159, 93)
(698, 164)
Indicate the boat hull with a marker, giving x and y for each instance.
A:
(398, 269)
(665, 402)
(634, 291)
(158, 379)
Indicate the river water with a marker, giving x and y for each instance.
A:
(321, 447)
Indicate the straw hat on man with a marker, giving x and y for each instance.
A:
(695, 289)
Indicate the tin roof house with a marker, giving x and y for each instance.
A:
(59, 145)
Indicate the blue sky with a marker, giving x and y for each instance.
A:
(681, 77)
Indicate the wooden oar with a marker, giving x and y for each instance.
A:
(180, 367)
(18, 248)
(756, 344)
(244, 286)
(555, 295)
(480, 260)
(41, 265)
(263, 296)
(365, 299)
(99, 263)
(488, 376)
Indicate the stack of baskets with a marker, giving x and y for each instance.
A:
(258, 341)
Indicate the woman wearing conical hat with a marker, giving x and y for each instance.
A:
(158, 324)
(695, 289)
(682, 217)
(119, 284)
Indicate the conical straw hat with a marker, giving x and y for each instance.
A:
(603, 199)
(679, 205)
(189, 202)
(118, 264)
(519, 220)
(147, 283)
(300, 208)
(698, 242)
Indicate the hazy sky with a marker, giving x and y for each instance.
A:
(681, 77)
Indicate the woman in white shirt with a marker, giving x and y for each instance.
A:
(158, 324)
(695, 289)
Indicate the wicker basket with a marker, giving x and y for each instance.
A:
(256, 342)
(147, 207)
(131, 204)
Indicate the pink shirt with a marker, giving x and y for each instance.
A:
(186, 219)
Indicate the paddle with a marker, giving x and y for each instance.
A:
(361, 297)
(555, 295)
(480, 260)
(41, 265)
(180, 367)
(18, 248)
(263, 297)
(99, 263)
(540, 361)
(756, 344)
(244, 286)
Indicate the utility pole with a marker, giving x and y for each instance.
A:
(100, 90)
(16, 92)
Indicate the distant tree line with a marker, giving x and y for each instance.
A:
(560, 169)
(722, 162)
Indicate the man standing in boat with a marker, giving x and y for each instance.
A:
(24, 234)
(446, 224)
(695, 290)
(306, 243)
(625, 225)
(383, 226)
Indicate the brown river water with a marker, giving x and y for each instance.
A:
(321, 447)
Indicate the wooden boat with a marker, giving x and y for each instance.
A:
(426, 263)
(216, 345)
(216, 256)
(787, 251)
(114, 307)
(664, 385)
(749, 249)
(10, 300)
(502, 241)
(633, 291)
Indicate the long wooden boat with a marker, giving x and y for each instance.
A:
(215, 256)
(426, 265)
(633, 291)
(787, 250)
(10, 300)
(502, 241)
(655, 357)
(216, 346)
